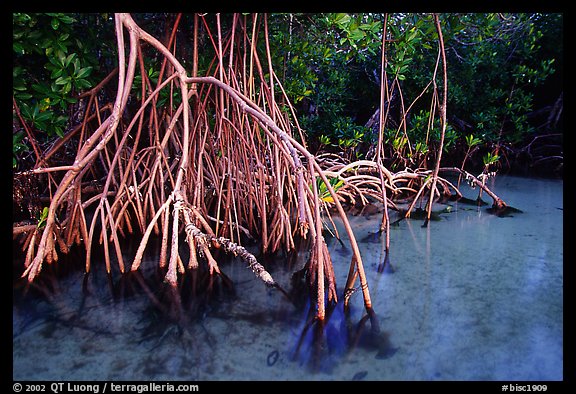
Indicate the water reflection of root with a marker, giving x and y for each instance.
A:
(385, 265)
(174, 318)
(53, 313)
(173, 332)
(322, 343)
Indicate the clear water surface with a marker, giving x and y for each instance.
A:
(473, 296)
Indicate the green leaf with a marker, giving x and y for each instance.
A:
(62, 80)
(365, 27)
(16, 71)
(43, 217)
(26, 111)
(342, 20)
(67, 88)
(412, 34)
(55, 23)
(23, 96)
(69, 59)
(55, 60)
(16, 138)
(472, 141)
(76, 65)
(84, 72)
(42, 89)
(43, 116)
(18, 48)
(56, 73)
(356, 35)
(59, 131)
(490, 158)
(82, 84)
(336, 183)
(66, 19)
(61, 57)
(61, 47)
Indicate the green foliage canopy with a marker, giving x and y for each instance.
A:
(329, 65)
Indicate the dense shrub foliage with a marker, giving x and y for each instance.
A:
(503, 70)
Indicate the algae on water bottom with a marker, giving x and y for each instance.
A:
(472, 296)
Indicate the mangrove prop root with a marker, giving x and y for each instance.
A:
(498, 203)
(221, 155)
(199, 238)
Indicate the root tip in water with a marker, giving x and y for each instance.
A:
(385, 266)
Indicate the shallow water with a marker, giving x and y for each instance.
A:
(473, 296)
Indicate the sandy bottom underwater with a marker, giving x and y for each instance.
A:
(473, 296)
